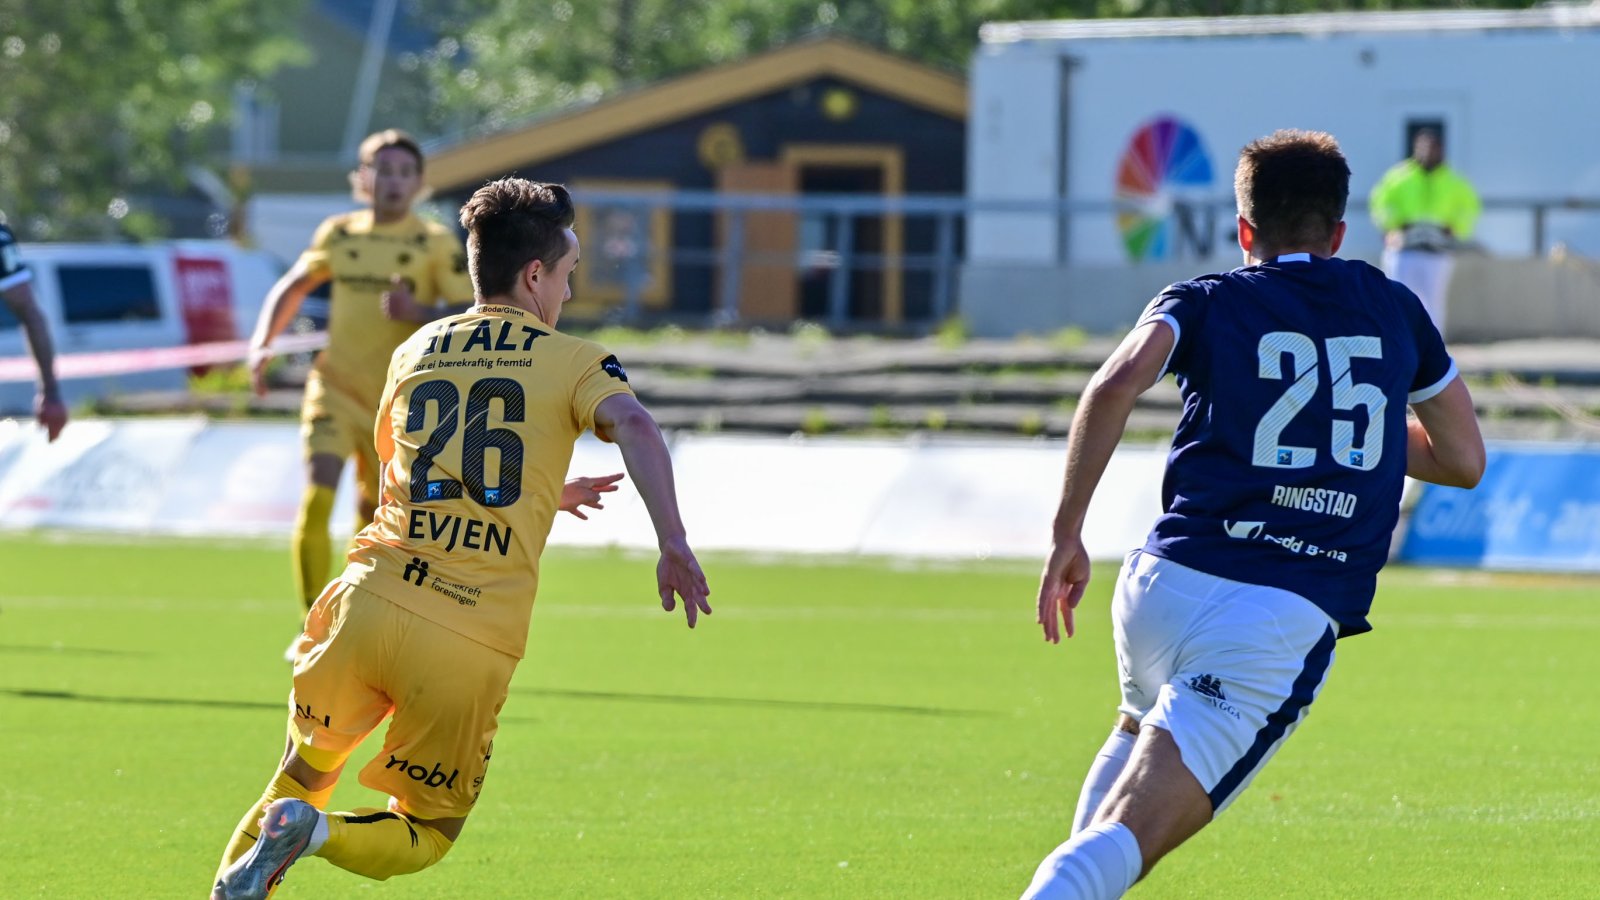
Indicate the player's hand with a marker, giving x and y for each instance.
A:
(399, 305)
(586, 491)
(1066, 574)
(679, 573)
(51, 414)
(257, 364)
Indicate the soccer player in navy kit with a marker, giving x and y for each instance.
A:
(16, 292)
(1282, 491)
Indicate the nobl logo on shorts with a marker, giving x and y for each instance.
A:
(434, 778)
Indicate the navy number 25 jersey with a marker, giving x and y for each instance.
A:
(1288, 463)
(12, 270)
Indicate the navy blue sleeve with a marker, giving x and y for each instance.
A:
(12, 271)
(1435, 368)
(1182, 306)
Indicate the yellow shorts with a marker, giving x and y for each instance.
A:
(362, 658)
(334, 423)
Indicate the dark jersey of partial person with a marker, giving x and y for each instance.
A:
(12, 270)
(1290, 457)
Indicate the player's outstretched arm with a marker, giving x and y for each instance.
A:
(1096, 429)
(1443, 444)
(587, 491)
(277, 311)
(400, 305)
(622, 419)
(48, 406)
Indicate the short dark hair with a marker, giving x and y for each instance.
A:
(383, 140)
(1292, 186)
(510, 223)
(367, 154)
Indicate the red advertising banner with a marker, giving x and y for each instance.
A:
(205, 297)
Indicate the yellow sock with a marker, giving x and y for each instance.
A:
(378, 843)
(249, 830)
(310, 545)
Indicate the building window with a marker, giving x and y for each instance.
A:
(626, 245)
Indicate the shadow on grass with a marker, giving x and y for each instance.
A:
(177, 702)
(730, 702)
(819, 705)
(54, 650)
(74, 696)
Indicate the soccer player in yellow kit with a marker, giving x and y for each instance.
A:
(430, 617)
(381, 260)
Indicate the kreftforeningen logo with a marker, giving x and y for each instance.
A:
(1165, 176)
(417, 569)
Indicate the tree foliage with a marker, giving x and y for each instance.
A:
(103, 100)
(500, 62)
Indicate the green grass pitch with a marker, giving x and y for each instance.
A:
(836, 729)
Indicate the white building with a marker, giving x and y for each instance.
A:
(1154, 111)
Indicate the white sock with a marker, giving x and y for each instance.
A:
(1098, 863)
(1108, 764)
(319, 835)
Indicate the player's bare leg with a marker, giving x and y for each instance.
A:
(1104, 771)
(1157, 797)
(1155, 805)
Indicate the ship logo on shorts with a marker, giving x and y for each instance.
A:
(1207, 686)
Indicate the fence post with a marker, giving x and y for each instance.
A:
(839, 278)
(944, 262)
(636, 271)
(1538, 229)
(727, 311)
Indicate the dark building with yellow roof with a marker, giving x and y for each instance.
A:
(825, 116)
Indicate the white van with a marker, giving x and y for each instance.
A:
(99, 297)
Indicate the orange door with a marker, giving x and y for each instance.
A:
(767, 271)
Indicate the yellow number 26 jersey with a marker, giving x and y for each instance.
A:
(475, 431)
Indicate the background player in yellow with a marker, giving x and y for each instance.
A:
(381, 259)
(430, 617)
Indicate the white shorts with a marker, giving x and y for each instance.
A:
(1427, 274)
(1229, 669)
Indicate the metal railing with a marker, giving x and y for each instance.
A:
(729, 256)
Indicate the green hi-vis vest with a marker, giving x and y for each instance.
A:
(1409, 195)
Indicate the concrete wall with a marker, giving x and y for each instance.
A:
(1501, 299)
(1490, 299)
(1007, 299)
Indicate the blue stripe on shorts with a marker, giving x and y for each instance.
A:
(1300, 695)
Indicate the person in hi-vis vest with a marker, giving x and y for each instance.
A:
(1426, 210)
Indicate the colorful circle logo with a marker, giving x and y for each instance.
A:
(1163, 164)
